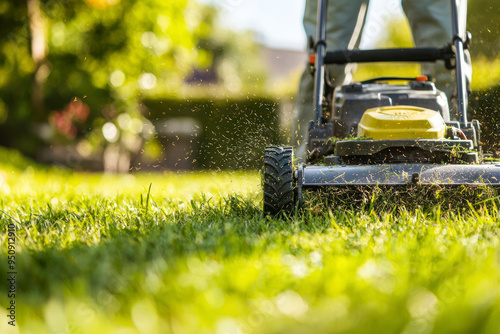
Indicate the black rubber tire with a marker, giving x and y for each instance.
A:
(278, 181)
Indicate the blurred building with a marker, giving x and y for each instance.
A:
(281, 63)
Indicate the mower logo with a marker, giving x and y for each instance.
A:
(397, 114)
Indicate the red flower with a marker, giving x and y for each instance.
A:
(64, 121)
(79, 110)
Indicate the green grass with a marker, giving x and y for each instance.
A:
(104, 254)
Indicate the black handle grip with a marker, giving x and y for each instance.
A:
(424, 54)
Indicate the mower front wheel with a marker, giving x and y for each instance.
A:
(278, 181)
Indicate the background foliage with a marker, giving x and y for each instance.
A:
(74, 73)
(101, 58)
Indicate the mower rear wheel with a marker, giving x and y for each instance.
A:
(278, 181)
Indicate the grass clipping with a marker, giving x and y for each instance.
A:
(391, 199)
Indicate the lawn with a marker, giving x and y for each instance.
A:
(191, 253)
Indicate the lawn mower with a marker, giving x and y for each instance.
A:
(393, 134)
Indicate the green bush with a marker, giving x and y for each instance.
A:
(226, 134)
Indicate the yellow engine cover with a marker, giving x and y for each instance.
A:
(401, 122)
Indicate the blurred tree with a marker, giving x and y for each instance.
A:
(102, 53)
(74, 71)
(227, 59)
(16, 69)
(38, 48)
(109, 53)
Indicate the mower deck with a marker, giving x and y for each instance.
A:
(397, 175)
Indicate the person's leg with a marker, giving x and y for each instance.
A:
(342, 17)
(430, 22)
(304, 113)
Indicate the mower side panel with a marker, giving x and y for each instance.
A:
(398, 175)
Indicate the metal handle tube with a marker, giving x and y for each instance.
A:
(459, 58)
(320, 54)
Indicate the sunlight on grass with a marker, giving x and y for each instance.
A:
(171, 185)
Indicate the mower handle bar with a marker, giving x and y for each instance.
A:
(414, 55)
(423, 54)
